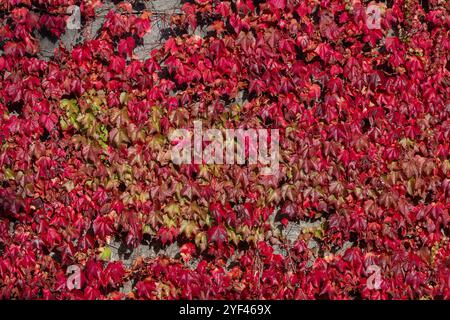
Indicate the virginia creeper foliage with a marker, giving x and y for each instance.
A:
(364, 120)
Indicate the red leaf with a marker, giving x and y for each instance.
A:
(117, 64)
(145, 288)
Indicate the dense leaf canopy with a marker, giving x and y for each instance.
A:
(364, 120)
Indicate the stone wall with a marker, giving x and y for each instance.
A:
(161, 12)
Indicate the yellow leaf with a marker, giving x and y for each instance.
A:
(9, 174)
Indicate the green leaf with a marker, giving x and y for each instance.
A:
(68, 103)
